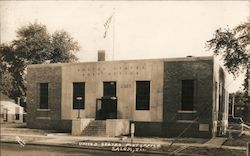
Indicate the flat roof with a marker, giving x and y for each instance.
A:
(191, 58)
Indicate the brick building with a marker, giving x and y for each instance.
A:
(162, 97)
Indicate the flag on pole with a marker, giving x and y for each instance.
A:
(106, 26)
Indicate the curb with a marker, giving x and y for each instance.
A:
(53, 145)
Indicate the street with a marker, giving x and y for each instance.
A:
(10, 149)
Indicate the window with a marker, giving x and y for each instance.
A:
(187, 96)
(5, 114)
(109, 89)
(17, 110)
(78, 95)
(142, 95)
(17, 117)
(44, 96)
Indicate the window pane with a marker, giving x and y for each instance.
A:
(142, 95)
(187, 97)
(78, 95)
(44, 95)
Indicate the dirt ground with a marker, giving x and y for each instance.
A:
(238, 141)
(213, 151)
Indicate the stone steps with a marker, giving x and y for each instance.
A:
(95, 128)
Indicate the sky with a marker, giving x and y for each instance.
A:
(137, 30)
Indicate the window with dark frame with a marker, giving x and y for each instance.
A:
(5, 114)
(17, 110)
(142, 95)
(78, 95)
(109, 89)
(187, 96)
(17, 116)
(44, 96)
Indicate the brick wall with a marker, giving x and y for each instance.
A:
(44, 118)
(175, 120)
(171, 122)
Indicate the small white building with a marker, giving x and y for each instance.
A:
(10, 112)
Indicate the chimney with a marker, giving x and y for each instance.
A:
(101, 55)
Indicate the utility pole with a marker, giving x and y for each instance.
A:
(233, 106)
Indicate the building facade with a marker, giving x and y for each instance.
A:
(10, 112)
(163, 97)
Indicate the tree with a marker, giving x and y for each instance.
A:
(234, 46)
(62, 44)
(239, 100)
(34, 45)
(9, 67)
(6, 78)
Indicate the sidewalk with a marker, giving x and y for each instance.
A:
(216, 142)
(163, 146)
(61, 139)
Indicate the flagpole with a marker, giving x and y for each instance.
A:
(114, 34)
(106, 26)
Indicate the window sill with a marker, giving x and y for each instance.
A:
(186, 121)
(142, 110)
(43, 110)
(43, 118)
(183, 111)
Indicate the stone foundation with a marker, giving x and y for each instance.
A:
(78, 125)
(117, 127)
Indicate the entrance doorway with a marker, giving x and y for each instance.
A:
(106, 107)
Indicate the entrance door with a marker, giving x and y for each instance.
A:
(107, 105)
